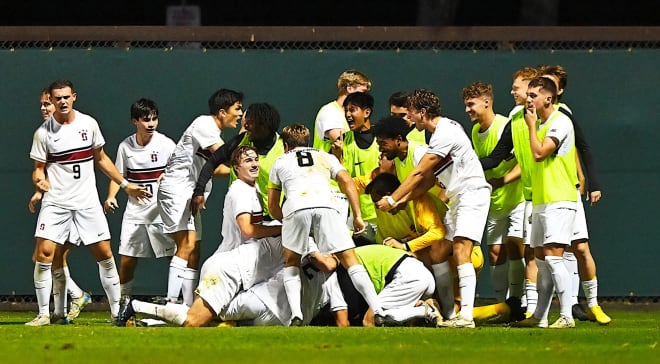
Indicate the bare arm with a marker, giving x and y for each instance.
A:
(347, 186)
(108, 168)
(111, 204)
(541, 149)
(255, 231)
(274, 207)
(420, 180)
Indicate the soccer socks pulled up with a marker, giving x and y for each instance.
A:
(499, 278)
(516, 277)
(72, 287)
(531, 295)
(59, 292)
(444, 289)
(363, 284)
(293, 289)
(545, 288)
(562, 282)
(571, 264)
(175, 278)
(467, 283)
(110, 282)
(190, 278)
(43, 284)
(171, 312)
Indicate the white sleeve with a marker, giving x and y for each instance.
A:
(206, 133)
(39, 150)
(97, 138)
(120, 161)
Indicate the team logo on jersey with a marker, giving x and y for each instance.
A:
(154, 156)
(42, 226)
(83, 135)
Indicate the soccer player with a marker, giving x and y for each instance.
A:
(141, 159)
(303, 175)
(250, 252)
(65, 149)
(79, 298)
(504, 226)
(330, 124)
(199, 140)
(451, 159)
(554, 200)
(399, 108)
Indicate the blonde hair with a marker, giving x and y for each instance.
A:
(351, 78)
(295, 135)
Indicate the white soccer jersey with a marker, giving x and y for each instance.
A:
(68, 151)
(240, 198)
(330, 116)
(190, 154)
(460, 169)
(304, 175)
(143, 165)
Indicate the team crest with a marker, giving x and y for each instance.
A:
(83, 135)
(154, 156)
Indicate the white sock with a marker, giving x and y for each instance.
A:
(499, 278)
(444, 288)
(590, 288)
(544, 288)
(293, 289)
(59, 292)
(516, 277)
(127, 288)
(188, 286)
(562, 281)
(110, 282)
(363, 284)
(467, 285)
(403, 314)
(72, 287)
(43, 284)
(531, 294)
(571, 264)
(175, 278)
(171, 312)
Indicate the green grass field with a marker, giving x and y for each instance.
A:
(632, 337)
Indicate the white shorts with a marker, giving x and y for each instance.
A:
(469, 212)
(527, 223)
(74, 237)
(411, 282)
(552, 225)
(56, 224)
(145, 241)
(326, 225)
(220, 280)
(503, 224)
(580, 230)
(175, 212)
(247, 306)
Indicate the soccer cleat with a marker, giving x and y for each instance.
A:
(530, 322)
(59, 320)
(516, 311)
(596, 314)
(563, 322)
(296, 321)
(126, 312)
(579, 312)
(77, 305)
(387, 321)
(40, 320)
(457, 322)
(432, 312)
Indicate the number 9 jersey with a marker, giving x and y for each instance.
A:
(68, 151)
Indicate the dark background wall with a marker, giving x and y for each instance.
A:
(612, 93)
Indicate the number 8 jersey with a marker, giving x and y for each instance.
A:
(68, 151)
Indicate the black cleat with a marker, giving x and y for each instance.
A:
(296, 321)
(387, 321)
(126, 311)
(579, 312)
(516, 311)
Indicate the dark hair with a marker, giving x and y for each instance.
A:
(58, 84)
(143, 108)
(362, 100)
(383, 184)
(264, 115)
(399, 99)
(223, 99)
(545, 84)
(391, 127)
(425, 99)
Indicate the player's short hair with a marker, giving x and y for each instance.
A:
(264, 115)
(478, 89)
(399, 99)
(391, 127)
(557, 71)
(383, 184)
(545, 84)
(143, 108)
(58, 84)
(425, 99)
(239, 152)
(44, 92)
(362, 100)
(352, 78)
(295, 135)
(222, 99)
(526, 73)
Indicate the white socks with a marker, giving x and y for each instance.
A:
(293, 288)
(562, 281)
(43, 284)
(499, 278)
(444, 289)
(467, 284)
(72, 287)
(110, 282)
(188, 286)
(171, 312)
(363, 284)
(571, 264)
(590, 288)
(59, 292)
(544, 287)
(175, 278)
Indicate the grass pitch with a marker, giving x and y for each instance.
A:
(632, 337)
